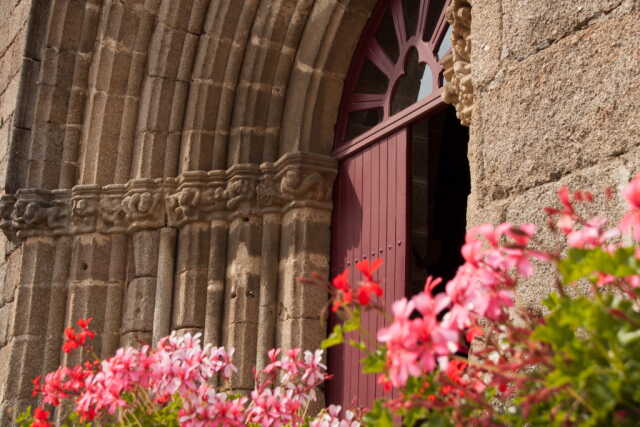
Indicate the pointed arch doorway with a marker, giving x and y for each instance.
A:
(403, 177)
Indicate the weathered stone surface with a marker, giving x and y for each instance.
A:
(140, 296)
(528, 208)
(532, 25)
(487, 29)
(565, 108)
(190, 299)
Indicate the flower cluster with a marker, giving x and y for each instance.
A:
(331, 417)
(181, 366)
(75, 339)
(367, 288)
(284, 404)
(482, 288)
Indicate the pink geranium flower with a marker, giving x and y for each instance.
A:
(631, 220)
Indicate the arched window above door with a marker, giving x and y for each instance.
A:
(397, 64)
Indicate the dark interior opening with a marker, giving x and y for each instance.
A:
(439, 184)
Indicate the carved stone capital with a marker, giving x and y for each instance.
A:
(267, 191)
(85, 204)
(306, 178)
(198, 195)
(7, 203)
(241, 186)
(144, 205)
(113, 217)
(458, 87)
(39, 212)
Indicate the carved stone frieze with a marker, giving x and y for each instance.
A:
(296, 179)
(458, 88)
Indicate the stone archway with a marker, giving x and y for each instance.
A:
(170, 170)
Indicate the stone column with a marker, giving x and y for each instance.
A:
(199, 195)
(144, 207)
(243, 274)
(304, 251)
(270, 202)
(216, 282)
(305, 182)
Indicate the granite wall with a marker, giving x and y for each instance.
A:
(556, 102)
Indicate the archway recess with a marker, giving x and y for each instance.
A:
(403, 173)
(171, 169)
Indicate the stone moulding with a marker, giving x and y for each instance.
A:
(458, 87)
(295, 180)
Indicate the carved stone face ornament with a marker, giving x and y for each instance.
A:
(458, 89)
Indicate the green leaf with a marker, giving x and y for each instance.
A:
(415, 415)
(24, 419)
(360, 345)
(585, 263)
(379, 416)
(375, 362)
(353, 323)
(628, 337)
(336, 338)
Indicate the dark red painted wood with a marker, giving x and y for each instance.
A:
(371, 200)
(370, 222)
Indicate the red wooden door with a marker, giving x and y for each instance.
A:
(370, 221)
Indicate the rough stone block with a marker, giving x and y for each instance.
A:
(12, 279)
(135, 339)
(243, 338)
(532, 25)
(139, 302)
(145, 253)
(575, 116)
(190, 299)
(487, 28)
(528, 208)
(301, 333)
(243, 295)
(89, 257)
(38, 260)
(194, 241)
(29, 321)
(24, 364)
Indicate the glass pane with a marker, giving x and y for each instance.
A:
(372, 80)
(361, 121)
(411, 11)
(433, 14)
(445, 44)
(386, 36)
(416, 84)
(426, 84)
